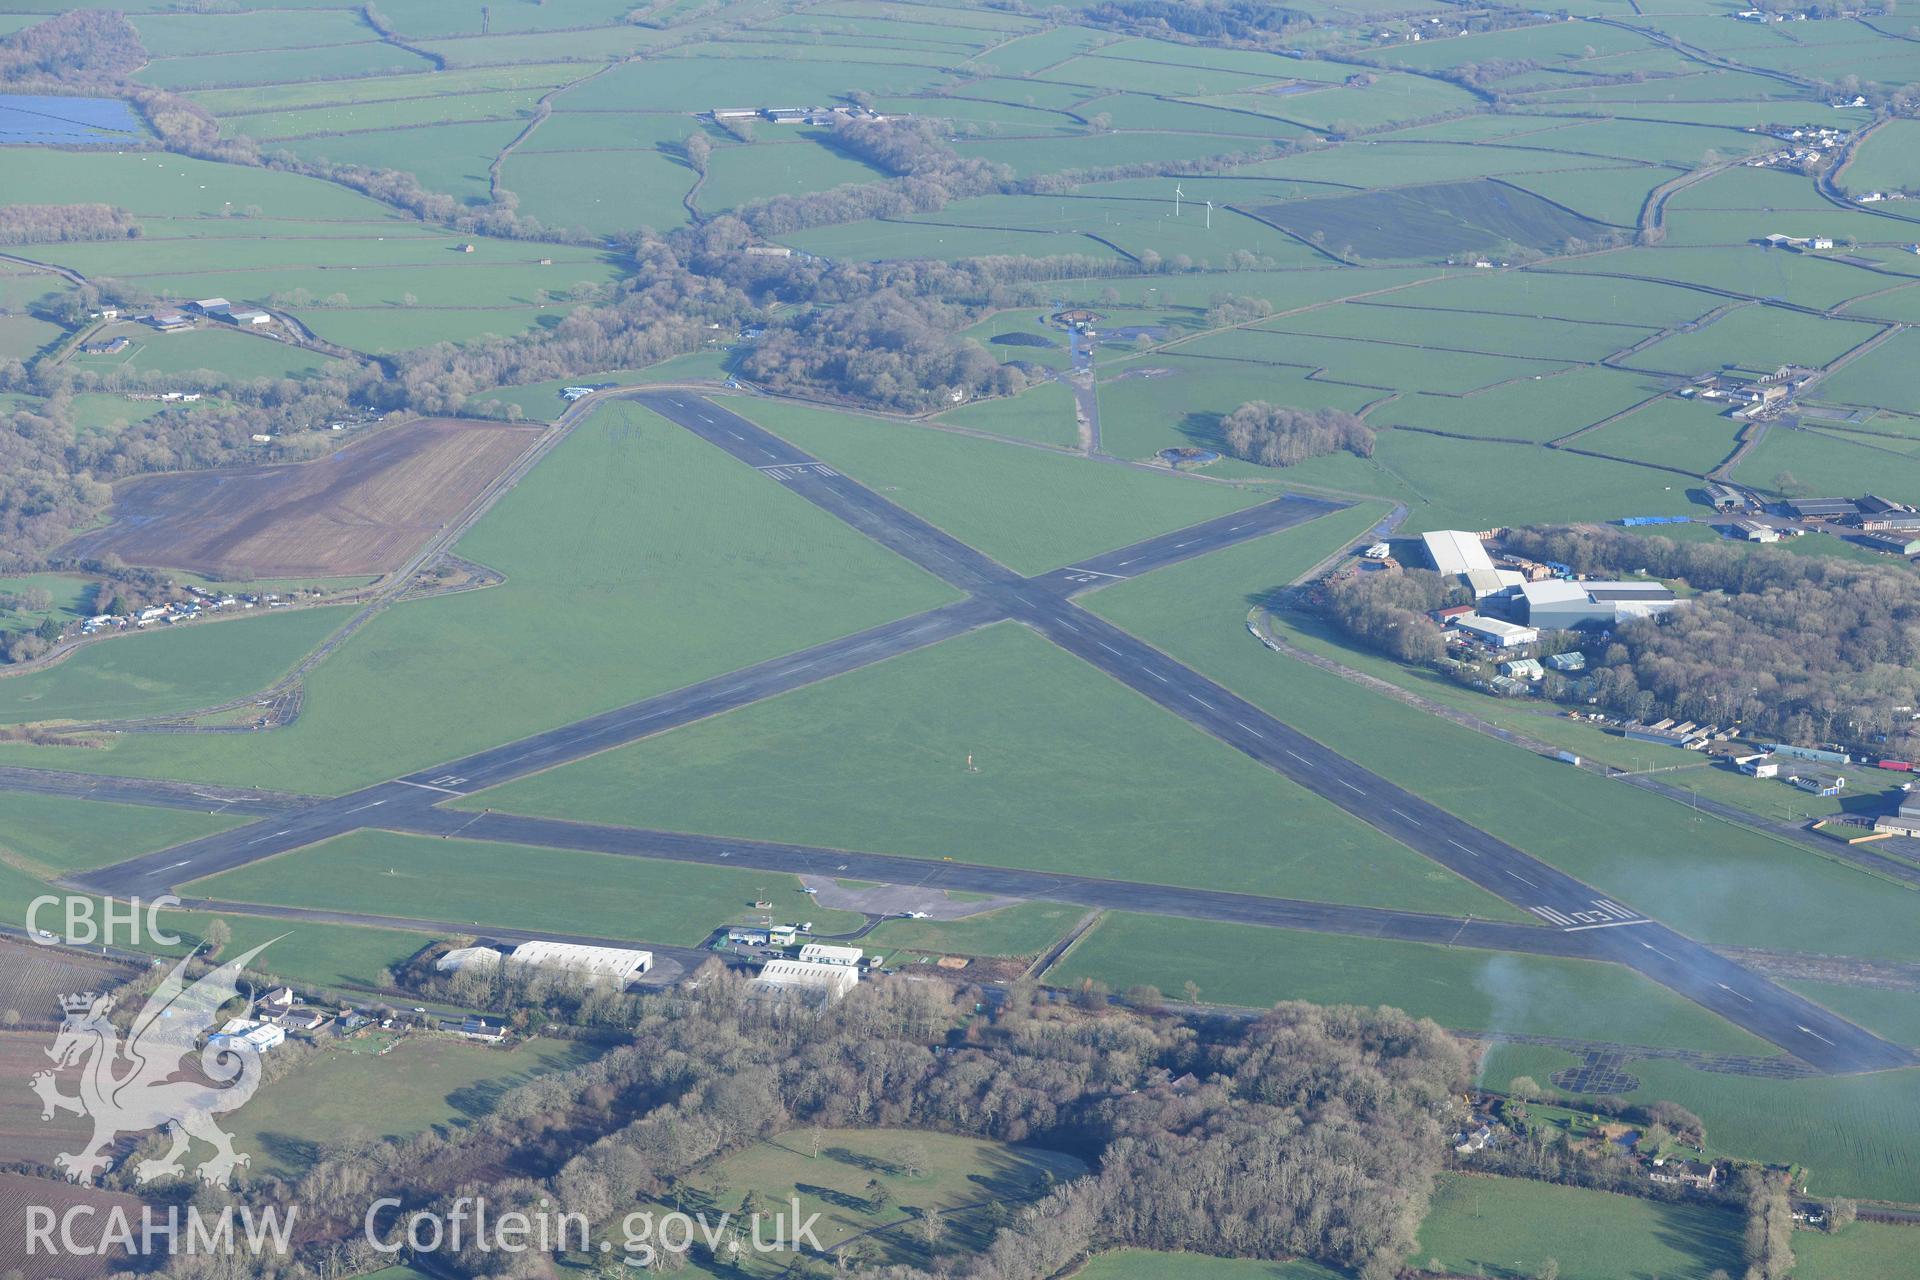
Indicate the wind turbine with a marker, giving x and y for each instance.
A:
(1209, 215)
(1177, 193)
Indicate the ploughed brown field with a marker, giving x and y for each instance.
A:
(29, 1256)
(365, 509)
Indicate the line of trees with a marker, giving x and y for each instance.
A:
(1278, 436)
(64, 223)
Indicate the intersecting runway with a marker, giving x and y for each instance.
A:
(1577, 918)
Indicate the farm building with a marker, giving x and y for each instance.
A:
(1883, 521)
(211, 306)
(825, 981)
(1754, 531)
(1899, 544)
(1873, 504)
(1572, 660)
(825, 953)
(242, 1033)
(1822, 508)
(1725, 497)
(1563, 606)
(1523, 669)
(1495, 633)
(245, 316)
(111, 347)
(170, 321)
(1820, 784)
(1463, 556)
(1682, 1173)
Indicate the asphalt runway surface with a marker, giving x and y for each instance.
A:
(1579, 918)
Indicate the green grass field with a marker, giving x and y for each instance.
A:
(917, 1169)
(1030, 510)
(1073, 773)
(466, 882)
(1460, 988)
(1510, 1227)
(52, 835)
(165, 672)
(1140, 1264)
(220, 353)
(426, 1082)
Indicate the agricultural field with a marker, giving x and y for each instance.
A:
(33, 979)
(19, 1194)
(1506, 1226)
(366, 509)
(425, 1081)
(836, 1173)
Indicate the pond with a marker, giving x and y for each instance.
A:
(27, 118)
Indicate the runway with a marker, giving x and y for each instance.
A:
(1575, 918)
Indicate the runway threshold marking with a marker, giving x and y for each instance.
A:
(426, 786)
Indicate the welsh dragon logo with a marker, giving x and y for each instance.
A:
(137, 1085)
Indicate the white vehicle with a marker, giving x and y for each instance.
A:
(917, 915)
(808, 889)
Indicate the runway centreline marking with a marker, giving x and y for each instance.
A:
(377, 803)
(1099, 573)
(1410, 818)
(1463, 848)
(1250, 729)
(1730, 991)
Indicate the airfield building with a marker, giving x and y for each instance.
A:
(821, 981)
(1496, 633)
(1462, 555)
(615, 965)
(1565, 606)
(825, 953)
